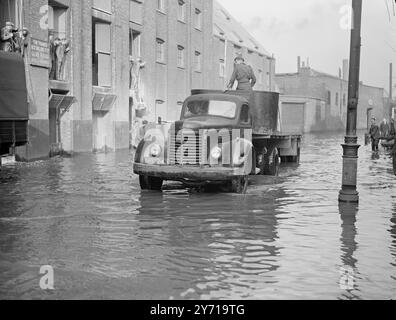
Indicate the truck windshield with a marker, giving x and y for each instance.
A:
(226, 109)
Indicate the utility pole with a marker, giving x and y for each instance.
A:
(390, 88)
(349, 192)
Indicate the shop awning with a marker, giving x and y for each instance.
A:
(103, 102)
(61, 102)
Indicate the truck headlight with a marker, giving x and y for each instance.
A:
(216, 153)
(155, 150)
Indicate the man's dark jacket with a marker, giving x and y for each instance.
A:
(244, 75)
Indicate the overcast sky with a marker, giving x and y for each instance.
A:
(313, 28)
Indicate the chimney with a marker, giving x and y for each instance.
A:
(308, 66)
(298, 63)
(345, 69)
(339, 73)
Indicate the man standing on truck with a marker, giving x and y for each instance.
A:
(243, 74)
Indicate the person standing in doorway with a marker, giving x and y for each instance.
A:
(7, 35)
(244, 74)
(375, 135)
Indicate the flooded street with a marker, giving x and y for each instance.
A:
(287, 238)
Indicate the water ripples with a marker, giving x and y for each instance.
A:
(286, 238)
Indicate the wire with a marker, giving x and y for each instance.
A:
(393, 49)
(387, 8)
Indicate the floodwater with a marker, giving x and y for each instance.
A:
(287, 238)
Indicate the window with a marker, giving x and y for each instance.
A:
(101, 54)
(181, 12)
(57, 38)
(134, 43)
(103, 5)
(245, 116)
(328, 97)
(11, 10)
(198, 19)
(336, 99)
(218, 30)
(160, 50)
(197, 62)
(237, 50)
(217, 108)
(136, 11)
(222, 68)
(344, 100)
(260, 77)
(161, 5)
(180, 57)
(57, 21)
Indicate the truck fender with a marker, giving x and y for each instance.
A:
(153, 135)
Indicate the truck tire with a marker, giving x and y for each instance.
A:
(150, 183)
(296, 159)
(239, 185)
(271, 164)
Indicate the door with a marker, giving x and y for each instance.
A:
(293, 117)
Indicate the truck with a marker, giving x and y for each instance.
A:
(14, 111)
(221, 139)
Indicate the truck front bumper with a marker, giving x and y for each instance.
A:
(188, 173)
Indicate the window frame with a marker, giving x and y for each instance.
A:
(103, 9)
(160, 55)
(132, 51)
(99, 52)
(197, 61)
(181, 10)
(161, 7)
(198, 19)
(181, 57)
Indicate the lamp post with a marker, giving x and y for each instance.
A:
(348, 191)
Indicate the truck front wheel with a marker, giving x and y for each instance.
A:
(239, 185)
(150, 183)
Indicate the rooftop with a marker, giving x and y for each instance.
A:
(227, 27)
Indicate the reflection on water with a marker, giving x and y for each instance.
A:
(286, 238)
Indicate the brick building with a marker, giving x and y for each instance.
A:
(92, 63)
(331, 96)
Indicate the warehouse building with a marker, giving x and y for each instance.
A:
(317, 101)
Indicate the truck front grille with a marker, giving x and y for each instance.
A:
(186, 147)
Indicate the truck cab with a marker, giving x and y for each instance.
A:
(221, 138)
(14, 112)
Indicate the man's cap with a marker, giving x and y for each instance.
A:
(239, 57)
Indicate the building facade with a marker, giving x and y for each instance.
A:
(331, 94)
(97, 69)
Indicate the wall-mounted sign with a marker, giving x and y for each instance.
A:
(39, 53)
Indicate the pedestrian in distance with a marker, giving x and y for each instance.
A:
(384, 128)
(374, 135)
(392, 129)
(244, 74)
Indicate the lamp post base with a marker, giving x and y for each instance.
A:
(348, 196)
(348, 191)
